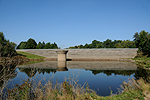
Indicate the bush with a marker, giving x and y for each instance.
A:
(7, 49)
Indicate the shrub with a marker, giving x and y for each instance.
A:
(7, 49)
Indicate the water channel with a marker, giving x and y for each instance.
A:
(99, 75)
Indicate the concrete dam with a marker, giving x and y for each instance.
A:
(86, 54)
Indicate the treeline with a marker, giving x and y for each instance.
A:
(7, 48)
(31, 44)
(107, 44)
(141, 41)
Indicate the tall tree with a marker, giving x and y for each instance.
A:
(31, 44)
(136, 39)
(43, 43)
(86, 46)
(108, 44)
(146, 47)
(141, 39)
(47, 45)
(40, 46)
(22, 45)
(53, 46)
(96, 44)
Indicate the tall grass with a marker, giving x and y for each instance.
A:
(50, 91)
(142, 60)
(133, 89)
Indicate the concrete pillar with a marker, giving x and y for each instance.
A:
(62, 55)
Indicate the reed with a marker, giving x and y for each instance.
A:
(133, 89)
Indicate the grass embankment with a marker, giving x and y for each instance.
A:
(30, 56)
(143, 62)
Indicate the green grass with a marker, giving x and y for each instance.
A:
(142, 61)
(30, 56)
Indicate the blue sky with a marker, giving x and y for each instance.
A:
(73, 22)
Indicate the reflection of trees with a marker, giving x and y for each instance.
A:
(142, 73)
(7, 71)
(48, 70)
(32, 71)
(29, 71)
(116, 72)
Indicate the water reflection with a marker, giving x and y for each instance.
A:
(142, 73)
(83, 65)
(108, 68)
(32, 71)
(62, 66)
(115, 72)
(7, 72)
(97, 74)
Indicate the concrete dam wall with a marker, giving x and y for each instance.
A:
(110, 53)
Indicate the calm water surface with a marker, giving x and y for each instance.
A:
(99, 75)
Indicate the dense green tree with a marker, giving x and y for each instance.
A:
(40, 46)
(54, 46)
(125, 44)
(146, 47)
(86, 46)
(22, 45)
(116, 43)
(47, 45)
(96, 44)
(31, 44)
(81, 46)
(43, 43)
(142, 41)
(18, 47)
(108, 44)
(136, 39)
(7, 49)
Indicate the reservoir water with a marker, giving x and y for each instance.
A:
(100, 76)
